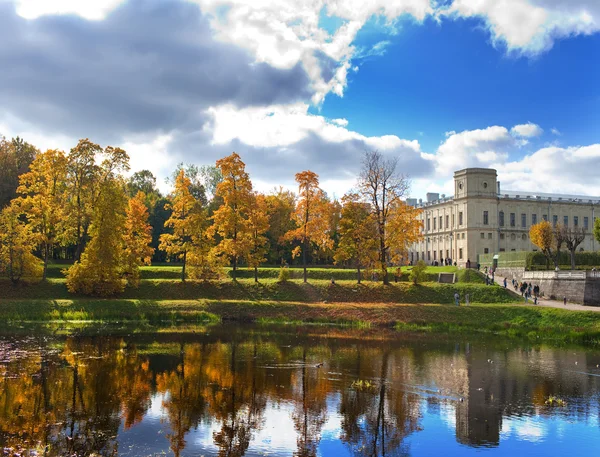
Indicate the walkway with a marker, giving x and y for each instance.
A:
(547, 303)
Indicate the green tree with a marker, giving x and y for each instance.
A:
(280, 209)
(15, 157)
(417, 273)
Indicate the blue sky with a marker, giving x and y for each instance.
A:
(441, 85)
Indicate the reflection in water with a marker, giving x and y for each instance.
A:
(245, 391)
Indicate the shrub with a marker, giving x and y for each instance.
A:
(417, 273)
(284, 274)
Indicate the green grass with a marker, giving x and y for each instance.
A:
(270, 289)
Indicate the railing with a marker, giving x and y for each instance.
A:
(577, 274)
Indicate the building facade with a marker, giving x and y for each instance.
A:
(481, 218)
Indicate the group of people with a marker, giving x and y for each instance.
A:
(527, 290)
(444, 263)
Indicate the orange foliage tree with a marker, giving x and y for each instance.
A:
(137, 237)
(311, 215)
(258, 223)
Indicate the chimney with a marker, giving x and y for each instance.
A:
(498, 187)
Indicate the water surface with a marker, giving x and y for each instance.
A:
(306, 391)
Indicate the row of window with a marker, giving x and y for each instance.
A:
(441, 219)
(513, 216)
(435, 255)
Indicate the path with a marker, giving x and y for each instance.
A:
(544, 301)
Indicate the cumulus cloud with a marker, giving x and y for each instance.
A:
(530, 27)
(526, 130)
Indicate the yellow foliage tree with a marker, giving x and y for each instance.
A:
(17, 241)
(100, 270)
(542, 235)
(358, 234)
(403, 229)
(138, 236)
(311, 215)
(183, 205)
(258, 223)
(44, 198)
(230, 220)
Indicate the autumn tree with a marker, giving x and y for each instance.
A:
(230, 220)
(15, 157)
(137, 239)
(382, 186)
(541, 235)
(281, 204)
(311, 217)
(85, 179)
(258, 224)
(597, 229)
(573, 237)
(103, 262)
(404, 229)
(17, 242)
(183, 205)
(43, 201)
(358, 234)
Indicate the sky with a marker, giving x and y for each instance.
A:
(291, 85)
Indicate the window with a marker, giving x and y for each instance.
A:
(441, 255)
(502, 236)
(512, 219)
(545, 217)
(524, 237)
(434, 223)
(447, 254)
(486, 251)
(482, 236)
(423, 255)
(485, 218)
(502, 249)
(575, 221)
(554, 220)
(533, 219)
(489, 236)
(428, 255)
(452, 220)
(417, 256)
(586, 222)
(501, 218)
(434, 255)
(447, 221)
(463, 235)
(566, 220)
(440, 222)
(428, 224)
(460, 218)
(513, 249)
(460, 253)
(523, 220)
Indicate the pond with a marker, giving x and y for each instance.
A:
(233, 390)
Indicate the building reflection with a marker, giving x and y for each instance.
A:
(80, 395)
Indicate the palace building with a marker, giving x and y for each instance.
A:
(482, 218)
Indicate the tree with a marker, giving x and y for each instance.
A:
(230, 221)
(183, 205)
(15, 157)
(404, 229)
(142, 181)
(542, 235)
(258, 223)
(358, 234)
(137, 239)
(381, 185)
(597, 229)
(17, 241)
(573, 237)
(100, 270)
(280, 209)
(43, 202)
(311, 217)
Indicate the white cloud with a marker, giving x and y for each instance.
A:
(531, 26)
(473, 148)
(526, 130)
(89, 9)
(555, 131)
(341, 122)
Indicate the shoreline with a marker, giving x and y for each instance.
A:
(534, 323)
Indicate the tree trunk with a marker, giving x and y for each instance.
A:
(358, 273)
(183, 268)
(572, 259)
(304, 248)
(45, 262)
(255, 274)
(234, 270)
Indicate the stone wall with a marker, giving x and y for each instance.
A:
(577, 286)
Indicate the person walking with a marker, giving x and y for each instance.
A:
(565, 301)
(505, 283)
